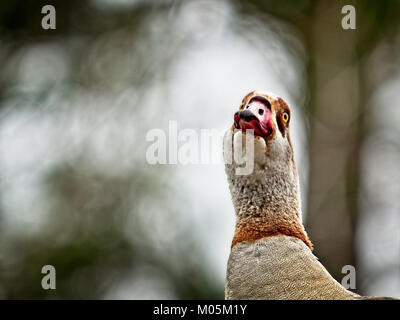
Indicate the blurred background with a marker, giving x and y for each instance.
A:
(77, 102)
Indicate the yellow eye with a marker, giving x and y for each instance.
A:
(285, 117)
(241, 107)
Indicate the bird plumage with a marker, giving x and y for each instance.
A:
(279, 267)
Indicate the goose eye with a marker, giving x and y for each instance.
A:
(241, 107)
(285, 117)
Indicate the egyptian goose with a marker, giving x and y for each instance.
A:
(271, 255)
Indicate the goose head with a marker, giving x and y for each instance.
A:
(267, 119)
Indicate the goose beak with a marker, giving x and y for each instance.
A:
(256, 116)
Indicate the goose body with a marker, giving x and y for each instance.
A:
(279, 267)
